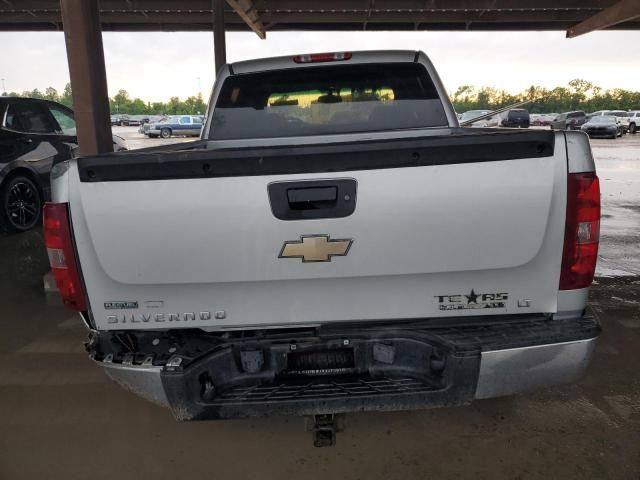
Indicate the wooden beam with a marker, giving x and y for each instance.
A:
(219, 36)
(88, 76)
(245, 9)
(622, 11)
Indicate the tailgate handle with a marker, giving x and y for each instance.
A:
(312, 198)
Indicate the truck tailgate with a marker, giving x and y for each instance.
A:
(467, 222)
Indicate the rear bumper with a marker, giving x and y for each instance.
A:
(375, 368)
(515, 370)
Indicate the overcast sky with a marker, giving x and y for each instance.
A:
(156, 66)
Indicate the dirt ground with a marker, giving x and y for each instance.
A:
(61, 418)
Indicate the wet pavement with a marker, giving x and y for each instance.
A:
(618, 166)
(61, 418)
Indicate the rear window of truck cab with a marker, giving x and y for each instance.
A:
(327, 100)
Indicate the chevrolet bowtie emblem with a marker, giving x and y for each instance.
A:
(315, 248)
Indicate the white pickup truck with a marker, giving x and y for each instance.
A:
(334, 242)
(622, 117)
(634, 121)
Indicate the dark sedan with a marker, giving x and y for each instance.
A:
(603, 127)
(34, 135)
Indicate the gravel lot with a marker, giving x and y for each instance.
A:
(61, 418)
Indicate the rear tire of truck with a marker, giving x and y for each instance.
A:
(165, 133)
(632, 128)
(20, 205)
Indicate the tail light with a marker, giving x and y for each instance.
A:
(57, 238)
(322, 57)
(582, 231)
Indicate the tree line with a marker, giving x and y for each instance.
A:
(122, 103)
(577, 95)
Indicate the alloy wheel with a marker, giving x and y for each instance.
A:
(22, 205)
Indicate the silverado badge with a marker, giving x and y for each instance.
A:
(315, 248)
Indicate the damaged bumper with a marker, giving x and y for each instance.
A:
(347, 368)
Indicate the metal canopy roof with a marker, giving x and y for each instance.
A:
(272, 15)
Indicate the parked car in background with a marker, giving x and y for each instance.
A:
(125, 120)
(149, 120)
(535, 119)
(485, 122)
(187, 125)
(546, 119)
(621, 115)
(603, 126)
(134, 120)
(34, 135)
(569, 121)
(515, 118)
(634, 121)
(122, 119)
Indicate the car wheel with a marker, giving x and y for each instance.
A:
(165, 132)
(632, 128)
(21, 205)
